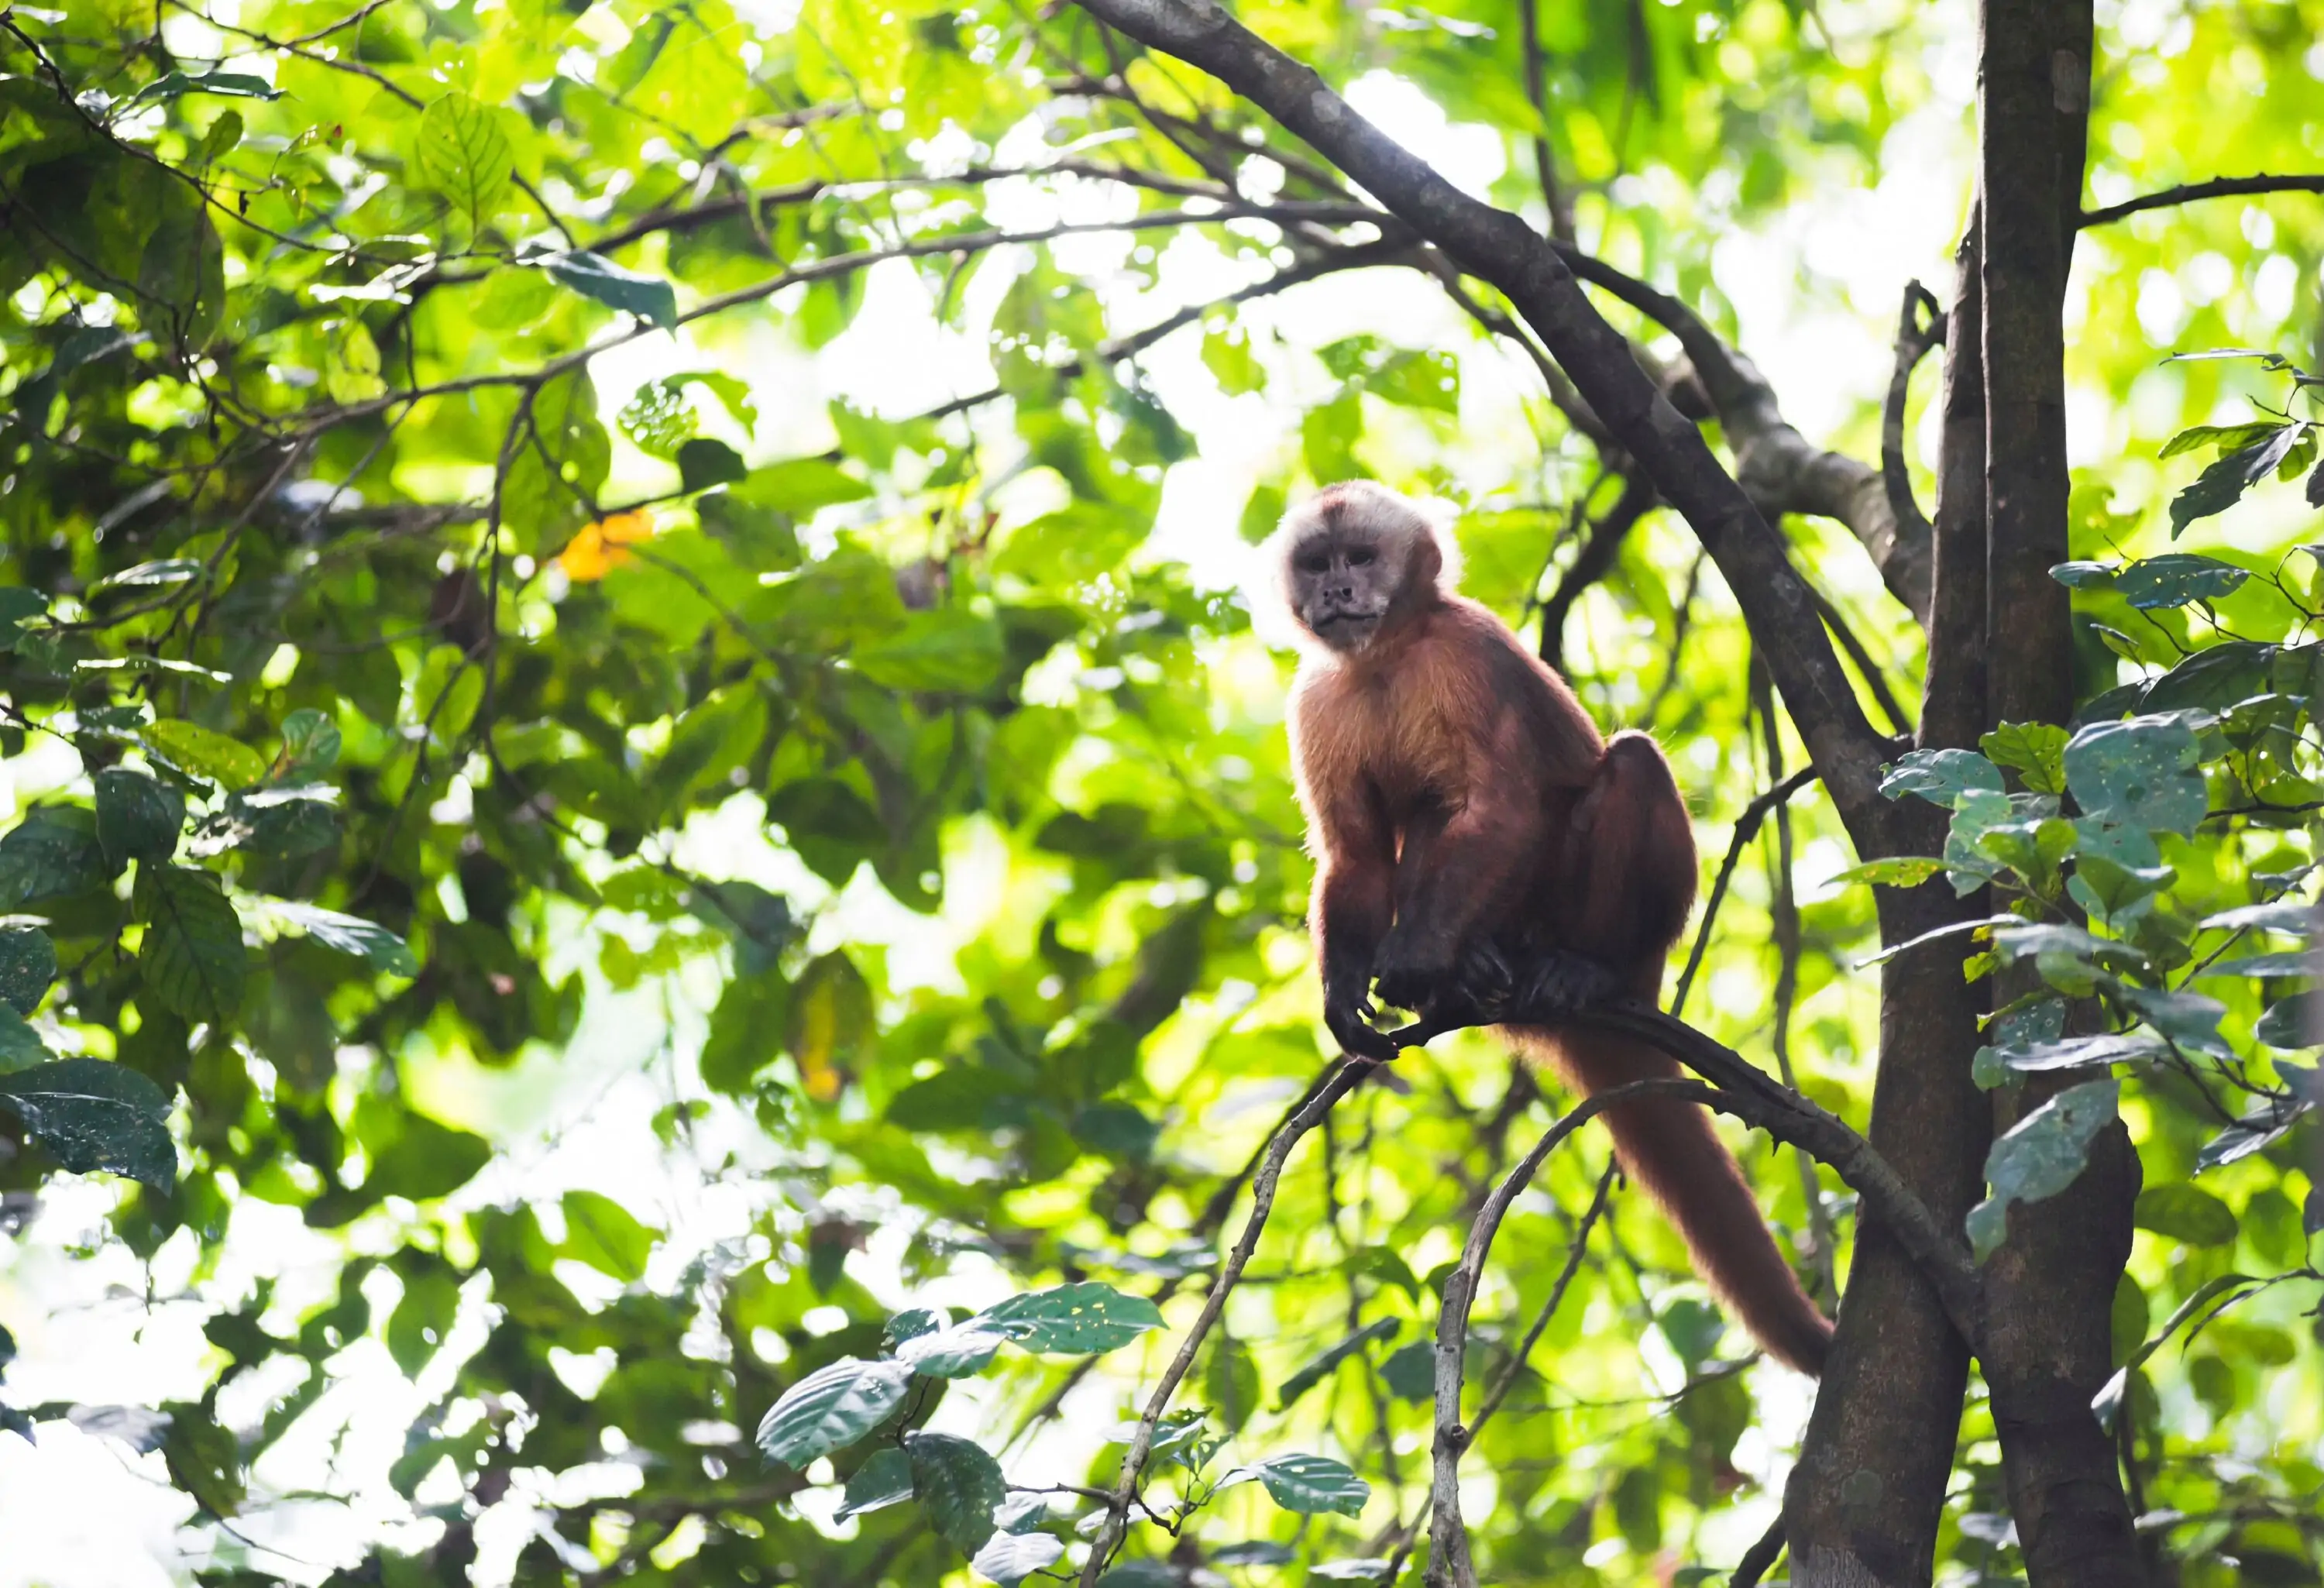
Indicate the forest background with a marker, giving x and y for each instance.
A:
(658, 924)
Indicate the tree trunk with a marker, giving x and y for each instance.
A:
(2050, 1290)
(1863, 1504)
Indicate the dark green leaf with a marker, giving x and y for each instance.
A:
(192, 958)
(28, 964)
(92, 1115)
(703, 462)
(1086, 1317)
(957, 1484)
(2153, 583)
(1315, 1370)
(21, 1046)
(53, 850)
(2223, 484)
(2186, 1214)
(2290, 1022)
(832, 1408)
(951, 1353)
(651, 298)
(351, 935)
(310, 746)
(882, 1481)
(233, 84)
(1231, 1383)
(138, 818)
(2137, 773)
(427, 1161)
(1410, 1370)
(955, 653)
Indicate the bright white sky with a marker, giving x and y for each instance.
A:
(1817, 292)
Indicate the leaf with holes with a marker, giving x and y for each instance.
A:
(1307, 1484)
(2177, 578)
(831, 1409)
(2042, 1155)
(192, 958)
(1083, 1319)
(93, 1115)
(958, 1484)
(1941, 777)
(2139, 772)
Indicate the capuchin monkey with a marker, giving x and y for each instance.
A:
(1479, 845)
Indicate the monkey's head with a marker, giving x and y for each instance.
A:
(1354, 558)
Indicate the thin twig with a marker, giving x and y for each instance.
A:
(2189, 192)
(1746, 827)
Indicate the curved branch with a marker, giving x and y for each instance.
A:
(1781, 468)
(1749, 1094)
(2190, 192)
(1591, 563)
(1746, 827)
(1914, 337)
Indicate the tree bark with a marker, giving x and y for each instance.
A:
(1863, 1504)
(2049, 1288)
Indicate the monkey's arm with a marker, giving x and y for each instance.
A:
(1455, 875)
(1354, 902)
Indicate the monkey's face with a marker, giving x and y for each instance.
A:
(1341, 588)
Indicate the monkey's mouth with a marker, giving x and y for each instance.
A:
(1346, 628)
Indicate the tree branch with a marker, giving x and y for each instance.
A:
(1914, 337)
(1782, 469)
(2191, 192)
(1746, 827)
(1341, 1081)
(1501, 248)
(1591, 563)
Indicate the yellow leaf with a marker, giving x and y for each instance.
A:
(598, 548)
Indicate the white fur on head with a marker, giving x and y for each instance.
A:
(1350, 506)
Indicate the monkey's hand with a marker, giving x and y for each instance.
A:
(1414, 972)
(1344, 1011)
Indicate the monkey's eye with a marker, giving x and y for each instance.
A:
(1360, 555)
(1311, 562)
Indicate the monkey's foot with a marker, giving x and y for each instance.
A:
(1559, 983)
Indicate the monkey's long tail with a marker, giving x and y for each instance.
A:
(1669, 1150)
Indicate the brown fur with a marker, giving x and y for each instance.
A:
(1456, 793)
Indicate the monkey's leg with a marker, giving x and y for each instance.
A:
(1629, 865)
(1456, 872)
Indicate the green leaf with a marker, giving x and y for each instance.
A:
(138, 818)
(1319, 1367)
(310, 747)
(460, 150)
(1076, 1319)
(1361, 1568)
(2040, 1156)
(21, 1046)
(2077, 1053)
(1307, 1484)
(800, 486)
(381, 949)
(2084, 576)
(28, 964)
(2223, 437)
(18, 605)
(204, 753)
(603, 1233)
(168, 570)
(2155, 583)
(2186, 1214)
(2189, 1019)
(2289, 1022)
(1941, 777)
(831, 1408)
(2138, 773)
(1410, 1371)
(54, 850)
(2292, 916)
(948, 650)
(192, 958)
(649, 297)
(1896, 871)
(958, 1485)
(2222, 484)
(235, 84)
(430, 1159)
(2037, 751)
(92, 1115)
(1009, 1558)
(1231, 1383)
(885, 1479)
(703, 462)
(955, 1352)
